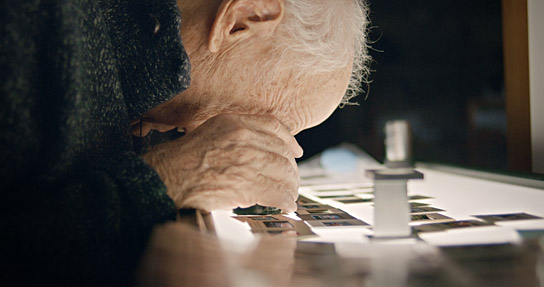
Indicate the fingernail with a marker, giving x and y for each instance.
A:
(292, 208)
(298, 151)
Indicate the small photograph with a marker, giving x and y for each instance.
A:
(304, 200)
(314, 211)
(419, 217)
(354, 200)
(309, 206)
(492, 218)
(313, 206)
(333, 189)
(450, 225)
(418, 204)
(277, 224)
(337, 223)
(325, 216)
(418, 197)
(351, 198)
(429, 218)
(256, 218)
(318, 211)
(466, 223)
(293, 233)
(424, 210)
(336, 196)
(262, 218)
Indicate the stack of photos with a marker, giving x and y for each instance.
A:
(277, 225)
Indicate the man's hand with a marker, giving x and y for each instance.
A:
(231, 161)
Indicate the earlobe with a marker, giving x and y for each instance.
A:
(237, 20)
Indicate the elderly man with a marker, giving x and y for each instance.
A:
(262, 72)
(77, 199)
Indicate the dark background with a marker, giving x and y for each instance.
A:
(438, 64)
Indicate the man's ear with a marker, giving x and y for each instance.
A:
(237, 20)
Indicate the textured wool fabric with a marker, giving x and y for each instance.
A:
(75, 199)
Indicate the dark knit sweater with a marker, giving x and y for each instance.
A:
(75, 199)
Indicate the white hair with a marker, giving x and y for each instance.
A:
(323, 34)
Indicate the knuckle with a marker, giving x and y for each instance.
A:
(239, 133)
(295, 167)
(276, 126)
(271, 123)
(283, 161)
(286, 186)
(292, 168)
(265, 157)
(293, 186)
(284, 149)
(282, 164)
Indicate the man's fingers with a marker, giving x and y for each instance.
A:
(296, 148)
(274, 127)
(251, 176)
(283, 170)
(247, 160)
(287, 205)
(227, 199)
(280, 196)
(269, 143)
